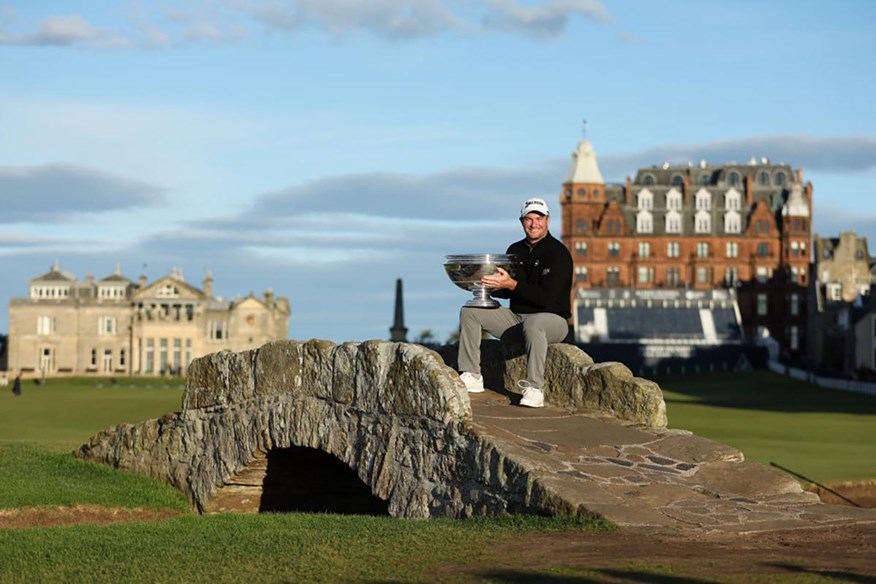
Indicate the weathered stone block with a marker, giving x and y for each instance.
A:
(219, 379)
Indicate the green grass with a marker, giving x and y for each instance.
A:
(62, 414)
(275, 548)
(35, 477)
(826, 435)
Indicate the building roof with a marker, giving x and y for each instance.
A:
(55, 275)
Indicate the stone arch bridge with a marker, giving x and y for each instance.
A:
(398, 418)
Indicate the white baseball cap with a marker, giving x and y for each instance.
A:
(534, 206)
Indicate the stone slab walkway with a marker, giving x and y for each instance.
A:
(651, 479)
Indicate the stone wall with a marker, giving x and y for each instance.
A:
(392, 412)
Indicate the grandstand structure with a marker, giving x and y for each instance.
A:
(661, 332)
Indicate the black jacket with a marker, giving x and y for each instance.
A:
(544, 280)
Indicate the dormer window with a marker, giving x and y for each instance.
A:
(732, 200)
(673, 200)
(763, 178)
(644, 222)
(781, 179)
(703, 200)
(702, 222)
(648, 180)
(733, 178)
(646, 199)
(677, 180)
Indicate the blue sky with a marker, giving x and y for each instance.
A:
(324, 148)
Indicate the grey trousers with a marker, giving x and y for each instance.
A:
(537, 329)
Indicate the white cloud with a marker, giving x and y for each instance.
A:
(227, 21)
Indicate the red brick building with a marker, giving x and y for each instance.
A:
(697, 227)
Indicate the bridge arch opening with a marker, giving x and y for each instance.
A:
(300, 479)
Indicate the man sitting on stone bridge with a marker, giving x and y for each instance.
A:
(540, 305)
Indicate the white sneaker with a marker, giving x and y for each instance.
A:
(532, 396)
(474, 382)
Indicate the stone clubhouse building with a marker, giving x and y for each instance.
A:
(115, 326)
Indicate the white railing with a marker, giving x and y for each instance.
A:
(828, 382)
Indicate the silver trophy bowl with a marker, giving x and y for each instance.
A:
(466, 271)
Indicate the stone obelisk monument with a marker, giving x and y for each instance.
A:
(398, 332)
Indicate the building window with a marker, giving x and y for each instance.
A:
(646, 274)
(107, 360)
(763, 274)
(644, 222)
(731, 222)
(673, 222)
(188, 352)
(644, 249)
(177, 355)
(702, 249)
(677, 180)
(732, 249)
(150, 356)
(216, 328)
(795, 248)
(673, 200)
(582, 192)
(834, 292)
(795, 304)
(763, 249)
(581, 226)
(581, 248)
(106, 325)
(795, 338)
(672, 249)
(733, 178)
(763, 178)
(703, 200)
(704, 275)
(673, 276)
(94, 357)
(121, 358)
(162, 356)
(613, 248)
(761, 304)
(732, 200)
(731, 276)
(648, 180)
(580, 274)
(781, 178)
(612, 277)
(795, 274)
(45, 325)
(646, 200)
(702, 222)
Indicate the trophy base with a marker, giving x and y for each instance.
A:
(482, 303)
(482, 299)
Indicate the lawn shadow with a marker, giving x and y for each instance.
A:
(764, 391)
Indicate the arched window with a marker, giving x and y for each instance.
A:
(677, 180)
(581, 192)
(781, 179)
(733, 178)
(763, 178)
(648, 180)
(705, 179)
